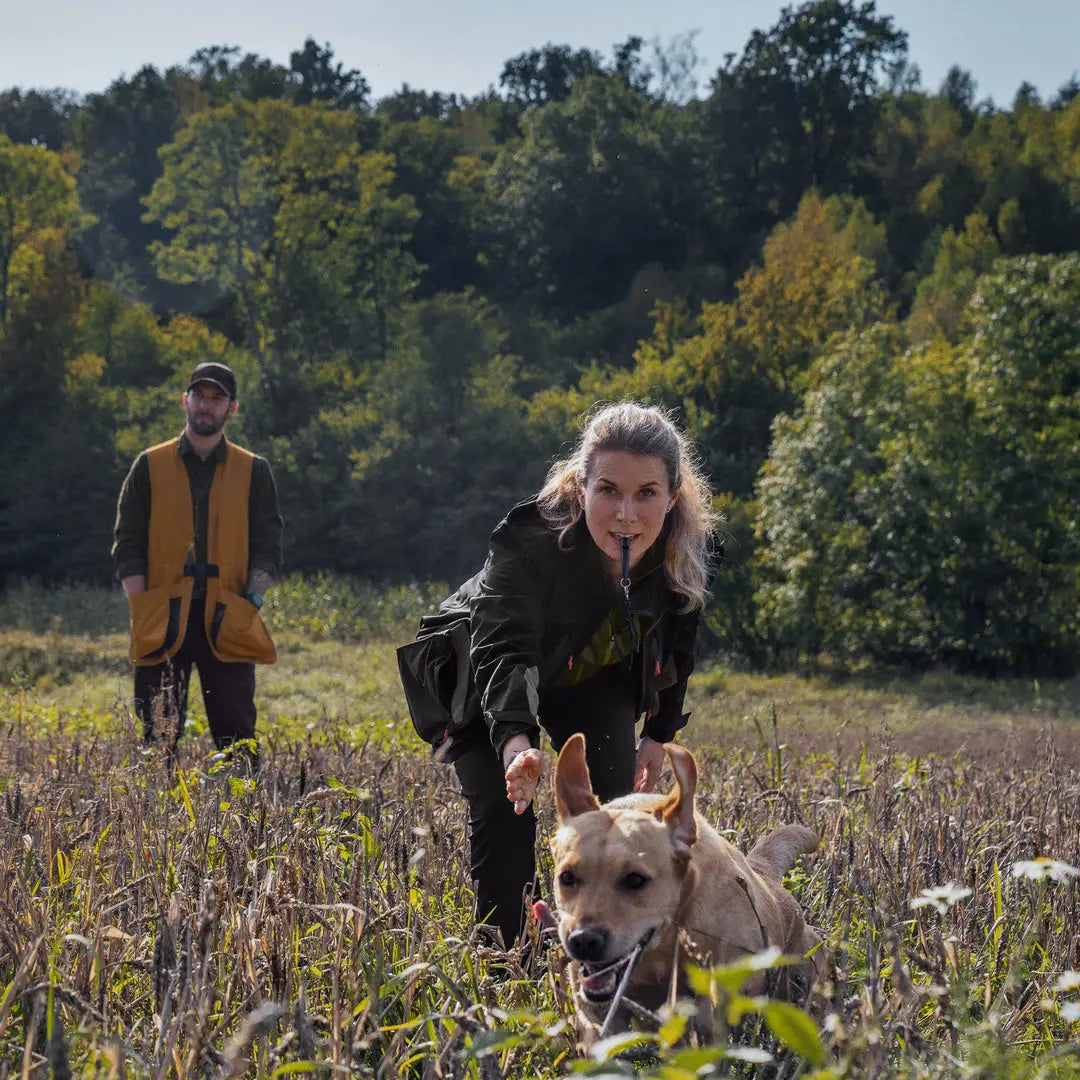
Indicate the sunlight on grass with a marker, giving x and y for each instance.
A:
(196, 921)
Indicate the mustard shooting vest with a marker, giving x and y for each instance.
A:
(159, 616)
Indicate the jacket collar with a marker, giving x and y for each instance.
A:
(218, 454)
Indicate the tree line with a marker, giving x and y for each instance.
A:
(860, 295)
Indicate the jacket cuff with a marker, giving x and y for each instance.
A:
(504, 725)
(662, 729)
(129, 567)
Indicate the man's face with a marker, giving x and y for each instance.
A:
(208, 407)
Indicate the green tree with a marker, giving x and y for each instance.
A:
(576, 208)
(540, 76)
(427, 154)
(408, 475)
(38, 117)
(37, 205)
(922, 506)
(277, 212)
(318, 78)
(796, 110)
(118, 133)
(743, 361)
(943, 295)
(59, 453)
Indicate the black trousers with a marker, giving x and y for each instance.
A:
(228, 689)
(502, 844)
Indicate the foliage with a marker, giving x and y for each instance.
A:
(275, 208)
(920, 505)
(943, 294)
(747, 359)
(348, 609)
(434, 474)
(194, 919)
(422, 295)
(38, 209)
(584, 167)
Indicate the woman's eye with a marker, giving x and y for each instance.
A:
(568, 879)
(634, 881)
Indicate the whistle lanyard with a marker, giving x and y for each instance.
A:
(628, 615)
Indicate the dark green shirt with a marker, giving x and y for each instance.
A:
(132, 531)
(611, 642)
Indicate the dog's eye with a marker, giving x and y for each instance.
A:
(634, 881)
(568, 879)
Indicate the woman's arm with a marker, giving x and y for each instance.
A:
(506, 628)
(669, 717)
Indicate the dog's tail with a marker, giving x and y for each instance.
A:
(775, 853)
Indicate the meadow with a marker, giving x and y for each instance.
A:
(193, 922)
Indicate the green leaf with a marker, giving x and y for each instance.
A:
(671, 1031)
(795, 1030)
(697, 1059)
(740, 1005)
(605, 1049)
(698, 980)
(186, 796)
(733, 977)
(491, 1042)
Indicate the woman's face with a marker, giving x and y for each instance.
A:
(625, 495)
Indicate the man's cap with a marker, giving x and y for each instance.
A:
(212, 372)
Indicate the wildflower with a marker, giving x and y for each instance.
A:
(1070, 1011)
(1068, 980)
(942, 898)
(1042, 867)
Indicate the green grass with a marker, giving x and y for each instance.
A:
(196, 923)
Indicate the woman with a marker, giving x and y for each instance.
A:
(583, 618)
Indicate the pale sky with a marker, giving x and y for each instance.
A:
(460, 45)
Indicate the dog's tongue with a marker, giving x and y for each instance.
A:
(544, 916)
(601, 983)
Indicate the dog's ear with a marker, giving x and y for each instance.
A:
(573, 788)
(677, 810)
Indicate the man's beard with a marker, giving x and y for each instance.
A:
(204, 423)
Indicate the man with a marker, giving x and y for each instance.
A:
(197, 544)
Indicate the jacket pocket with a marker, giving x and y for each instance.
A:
(237, 633)
(155, 624)
(436, 677)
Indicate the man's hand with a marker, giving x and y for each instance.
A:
(259, 581)
(524, 767)
(136, 583)
(649, 764)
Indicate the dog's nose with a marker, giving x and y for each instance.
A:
(587, 943)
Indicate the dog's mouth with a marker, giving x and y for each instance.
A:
(599, 982)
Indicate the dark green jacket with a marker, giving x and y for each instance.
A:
(499, 639)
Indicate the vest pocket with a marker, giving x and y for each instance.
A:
(155, 624)
(237, 633)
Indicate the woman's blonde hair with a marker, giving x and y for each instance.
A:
(649, 431)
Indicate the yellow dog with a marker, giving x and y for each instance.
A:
(634, 873)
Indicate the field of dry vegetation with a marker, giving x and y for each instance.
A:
(194, 922)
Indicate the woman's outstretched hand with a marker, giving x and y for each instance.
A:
(649, 764)
(523, 772)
